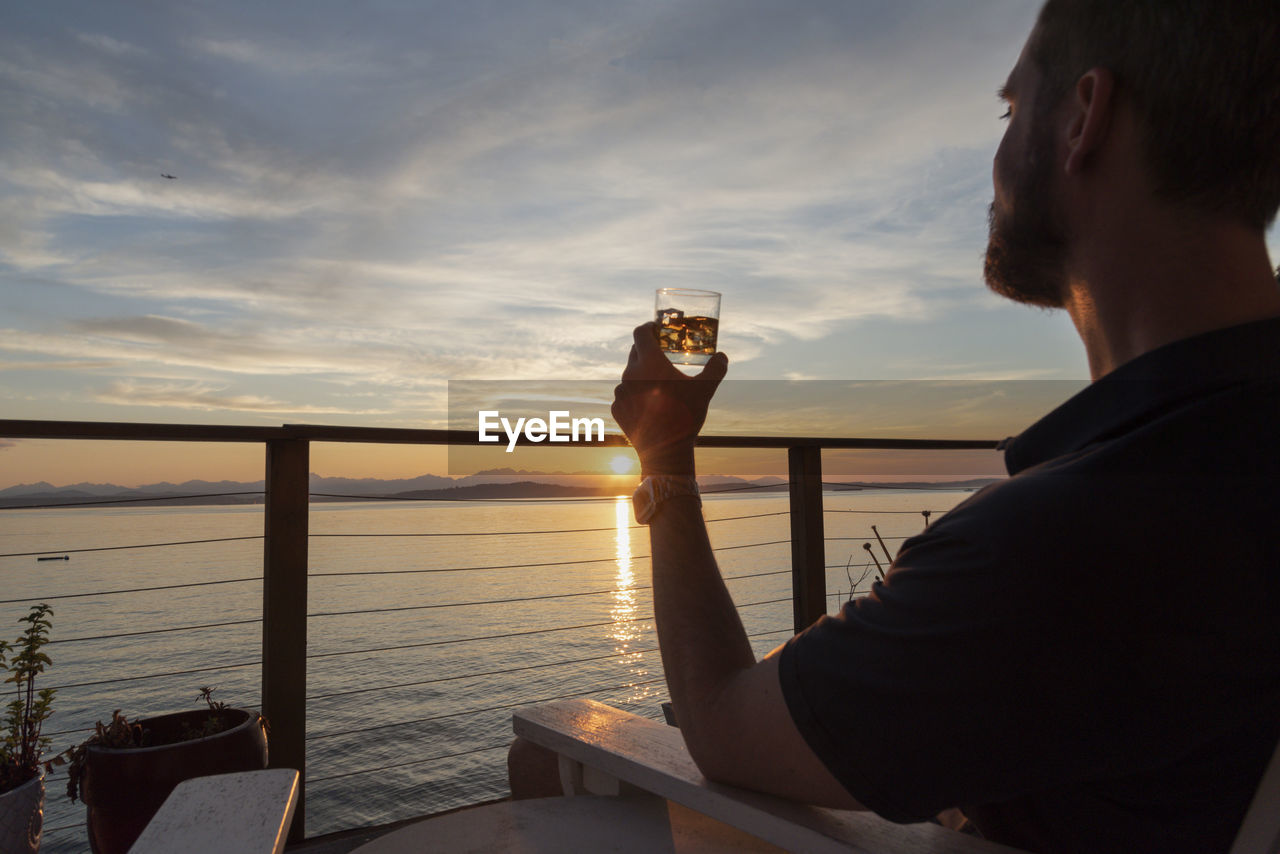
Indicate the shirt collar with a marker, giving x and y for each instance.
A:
(1152, 383)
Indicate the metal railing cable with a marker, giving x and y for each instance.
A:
(133, 546)
(507, 635)
(882, 512)
(311, 781)
(508, 670)
(479, 675)
(356, 535)
(938, 486)
(169, 630)
(516, 599)
(433, 606)
(609, 559)
(134, 590)
(446, 715)
(457, 677)
(352, 573)
(584, 499)
(418, 645)
(609, 528)
(153, 499)
(216, 667)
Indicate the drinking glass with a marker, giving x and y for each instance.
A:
(687, 324)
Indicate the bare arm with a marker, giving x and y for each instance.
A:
(730, 708)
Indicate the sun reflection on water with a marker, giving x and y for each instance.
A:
(627, 631)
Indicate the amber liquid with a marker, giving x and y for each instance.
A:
(692, 334)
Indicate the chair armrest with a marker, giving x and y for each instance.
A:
(651, 756)
(247, 812)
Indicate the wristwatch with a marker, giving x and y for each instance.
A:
(657, 488)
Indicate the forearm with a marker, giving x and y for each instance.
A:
(703, 643)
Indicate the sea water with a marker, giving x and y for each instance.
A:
(429, 623)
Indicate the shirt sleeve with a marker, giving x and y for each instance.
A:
(935, 690)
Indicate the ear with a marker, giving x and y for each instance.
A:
(1090, 118)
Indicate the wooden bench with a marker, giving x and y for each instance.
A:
(247, 812)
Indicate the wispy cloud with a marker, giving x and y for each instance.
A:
(208, 397)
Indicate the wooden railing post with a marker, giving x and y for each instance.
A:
(808, 554)
(284, 612)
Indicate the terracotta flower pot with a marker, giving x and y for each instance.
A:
(124, 787)
(22, 817)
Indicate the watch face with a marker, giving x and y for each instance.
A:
(642, 501)
(655, 489)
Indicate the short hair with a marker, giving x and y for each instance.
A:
(1203, 77)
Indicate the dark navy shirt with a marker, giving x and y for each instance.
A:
(1084, 657)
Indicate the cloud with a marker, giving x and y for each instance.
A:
(207, 397)
(110, 45)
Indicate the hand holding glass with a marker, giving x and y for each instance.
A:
(688, 321)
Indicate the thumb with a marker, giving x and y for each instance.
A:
(715, 368)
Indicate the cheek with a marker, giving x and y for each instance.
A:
(999, 164)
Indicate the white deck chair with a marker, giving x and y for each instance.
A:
(607, 751)
(248, 812)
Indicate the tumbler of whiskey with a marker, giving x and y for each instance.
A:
(687, 324)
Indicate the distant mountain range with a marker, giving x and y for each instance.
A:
(498, 483)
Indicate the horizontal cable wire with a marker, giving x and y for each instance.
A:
(258, 620)
(323, 574)
(887, 512)
(136, 546)
(507, 634)
(512, 600)
(134, 590)
(455, 678)
(353, 535)
(578, 499)
(119, 635)
(518, 565)
(497, 708)
(155, 499)
(504, 672)
(459, 677)
(314, 780)
(940, 486)
(160, 675)
(525, 533)
(583, 499)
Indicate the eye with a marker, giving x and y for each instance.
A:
(1007, 114)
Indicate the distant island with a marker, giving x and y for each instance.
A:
(490, 485)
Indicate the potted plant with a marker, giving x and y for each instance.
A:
(21, 783)
(126, 769)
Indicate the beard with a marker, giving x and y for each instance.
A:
(1026, 247)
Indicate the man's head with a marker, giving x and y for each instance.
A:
(1202, 81)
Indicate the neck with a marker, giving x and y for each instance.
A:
(1135, 289)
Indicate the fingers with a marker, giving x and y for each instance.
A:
(646, 336)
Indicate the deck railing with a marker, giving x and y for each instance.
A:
(286, 531)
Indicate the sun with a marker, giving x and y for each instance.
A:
(622, 464)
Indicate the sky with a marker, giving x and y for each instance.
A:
(374, 199)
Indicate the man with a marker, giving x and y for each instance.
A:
(1083, 657)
